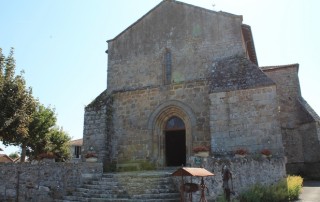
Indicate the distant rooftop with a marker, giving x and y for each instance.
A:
(5, 159)
(78, 142)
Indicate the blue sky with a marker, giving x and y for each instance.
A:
(60, 44)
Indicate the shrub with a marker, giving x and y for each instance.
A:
(294, 186)
(285, 190)
(254, 194)
(221, 199)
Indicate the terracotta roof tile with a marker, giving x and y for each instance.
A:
(5, 159)
(78, 142)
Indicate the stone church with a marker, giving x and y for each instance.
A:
(183, 76)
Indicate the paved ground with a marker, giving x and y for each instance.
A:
(310, 192)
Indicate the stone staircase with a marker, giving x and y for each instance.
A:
(155, 186)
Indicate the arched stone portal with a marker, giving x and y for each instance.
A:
(157, 129)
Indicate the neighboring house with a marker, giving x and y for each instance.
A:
(5, 159)
(75, 148)
(183, 76)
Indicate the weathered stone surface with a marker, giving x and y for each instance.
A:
(188, 32)
(237, 73)
(299, 123)
(44, 181)
(245, 119)
(200, 66)
(246, 172)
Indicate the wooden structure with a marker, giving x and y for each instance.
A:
(192, 187)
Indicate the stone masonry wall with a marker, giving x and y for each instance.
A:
(132, 111)
(245, 119)
(299, 128)
(97, 130)
(44, 181)
(94, 132)
(246, 172)
(194, 36)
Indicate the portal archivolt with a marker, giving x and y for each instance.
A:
(163, 136)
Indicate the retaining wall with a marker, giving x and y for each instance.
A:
(45, 181)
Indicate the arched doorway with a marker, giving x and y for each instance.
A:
(175, 142)
(157, 129)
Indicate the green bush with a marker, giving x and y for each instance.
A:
(221, 199)
(254, 194)
(285, 190)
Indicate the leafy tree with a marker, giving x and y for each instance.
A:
(43, 120)
(58, 144)
(16, 104)
(23, 120)
(45, 136)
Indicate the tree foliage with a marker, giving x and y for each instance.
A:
(45, 137)
(59, 144)
(16, 103)
(23, 120)
(43, 119)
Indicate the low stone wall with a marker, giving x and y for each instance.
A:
(50, 181)
(45, 181)
(245, 171)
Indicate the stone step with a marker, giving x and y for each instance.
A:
(100, 186)
(157, 196)
(104, 182)
(124, 195)
(131, 186)
(133, 200)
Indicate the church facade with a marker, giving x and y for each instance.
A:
(184, 76)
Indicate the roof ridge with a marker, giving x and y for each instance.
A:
(171, 1)
(279, 66)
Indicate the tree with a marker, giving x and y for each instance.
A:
(45, 136)
(43, 120)
(23, 120)
(58, 144)
(16, 104)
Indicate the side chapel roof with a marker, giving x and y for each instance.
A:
(236, 73)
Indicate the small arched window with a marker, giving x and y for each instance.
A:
(168, 66)
(175, 123)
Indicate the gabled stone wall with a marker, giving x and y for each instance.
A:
(194, 36)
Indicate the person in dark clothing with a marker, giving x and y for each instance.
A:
(226, 179)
